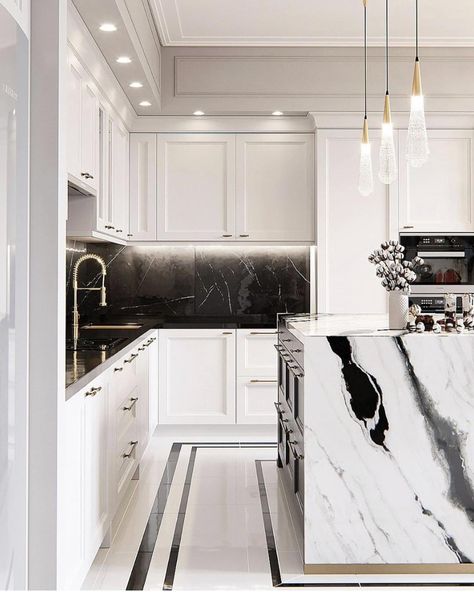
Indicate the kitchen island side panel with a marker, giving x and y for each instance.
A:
(389, 451)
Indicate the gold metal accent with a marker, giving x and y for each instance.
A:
(388, 568)
(416, 90)
(387, 114)
(75, 309)
(365, 131)
(364, 2)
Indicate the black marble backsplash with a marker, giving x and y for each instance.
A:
(211, 281)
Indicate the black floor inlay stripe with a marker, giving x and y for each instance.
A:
(145, 552)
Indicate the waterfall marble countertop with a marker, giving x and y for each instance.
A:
(388, 448)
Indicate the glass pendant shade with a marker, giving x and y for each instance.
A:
(417, 140)
(366, 177)
(387, 158)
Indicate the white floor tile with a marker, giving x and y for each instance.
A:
(159, 561)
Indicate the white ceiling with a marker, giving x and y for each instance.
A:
(309, 22)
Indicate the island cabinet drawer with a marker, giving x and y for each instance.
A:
(127, 412)
(295, 465)
(296, 396)
(127, 459)
(293, 346)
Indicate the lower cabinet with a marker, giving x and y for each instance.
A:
(213, 376)
(197, 376)
(105, 430)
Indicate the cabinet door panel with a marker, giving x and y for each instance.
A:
(256, 354)
(142, 187)
(74, 120)
(255, 401)
(350, 226)
(438, 197)
(90, 134)
(275, 187)
(120, 181)
(197, 376)
(196, 186)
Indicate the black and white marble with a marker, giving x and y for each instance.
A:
(192, 281)
(389, 449)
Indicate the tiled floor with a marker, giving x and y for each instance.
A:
(195, 521)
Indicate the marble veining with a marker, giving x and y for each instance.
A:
(195, 281)
(389, 461)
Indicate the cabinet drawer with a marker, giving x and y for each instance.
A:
(255, 400)
(127, 412)
(256, 352)
(127, 459)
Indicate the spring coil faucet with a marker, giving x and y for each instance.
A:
(103, 302)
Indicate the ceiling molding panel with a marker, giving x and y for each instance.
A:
(306, 23)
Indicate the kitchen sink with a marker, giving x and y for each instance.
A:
(102, 344)
(110, 326)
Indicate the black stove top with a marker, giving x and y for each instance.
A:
(96, 344)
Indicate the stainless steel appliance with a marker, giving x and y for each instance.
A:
(433, 304)
(448, 263)
(290, 408)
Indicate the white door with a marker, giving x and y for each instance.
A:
(74, 126)
(275, 187)
(89, 135)
(96, 502)
(256, 354)
(142, 187)
(197, 376)
(196, 187)
(350, 226)
(255, 400)
(439, 196)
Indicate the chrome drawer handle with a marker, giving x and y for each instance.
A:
(253, 380)
(296, 455)
(109, 227)
(296, 351)
(118, 369)
(227, 235)
(244, 235)
(285, 340)
(263, 332)
(93, 391)
(130, 359)
(141, 348)
(132, 404)
(133, 444)
(226, 332)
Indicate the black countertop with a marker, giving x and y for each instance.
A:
(80, 363)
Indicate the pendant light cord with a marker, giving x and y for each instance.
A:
(416, 28)
(386, 43)
(365, 60)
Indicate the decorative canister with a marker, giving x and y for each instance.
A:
(397, 310)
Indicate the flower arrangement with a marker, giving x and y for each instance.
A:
(396, 273)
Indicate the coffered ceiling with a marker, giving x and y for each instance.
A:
(309, 22)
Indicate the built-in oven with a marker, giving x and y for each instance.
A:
(448, 262)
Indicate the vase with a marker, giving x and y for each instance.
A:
(397, 310)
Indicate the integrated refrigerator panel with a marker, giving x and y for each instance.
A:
(14, 57)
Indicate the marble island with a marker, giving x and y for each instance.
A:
(388, 448)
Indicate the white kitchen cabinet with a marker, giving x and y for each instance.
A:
(119, 179)
(256, 355)
(143, 187)
(255, 400)
(96, 459)
(105, 191)
(350, 226)
(153, 386)
(439, 196)
(197, 376)
(275, 187)
(82, 126)
(196, 187)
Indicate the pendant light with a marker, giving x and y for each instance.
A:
(366, 179)
(387, 159)
(417, 140)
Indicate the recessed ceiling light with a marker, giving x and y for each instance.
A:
(277, 113)
(108, 27)
(135, 85)
(145, 104)
(124, 60)
(198, 113)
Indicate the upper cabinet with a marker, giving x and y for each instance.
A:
(82, 126)
(350, 226)
(196, 187)
(221, 187)
(275, 187)
(439, 196)
(98, 162)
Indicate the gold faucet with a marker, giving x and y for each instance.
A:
(75, 310)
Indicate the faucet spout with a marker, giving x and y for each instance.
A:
(75, 273)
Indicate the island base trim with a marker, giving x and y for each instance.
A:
(392, 568)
